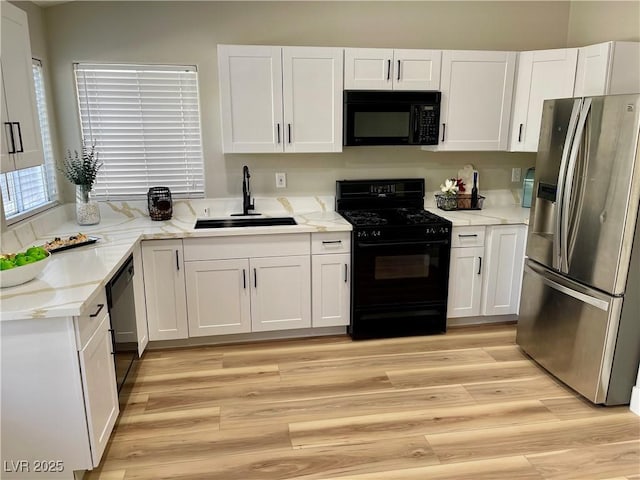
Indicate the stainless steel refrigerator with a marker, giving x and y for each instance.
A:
(580, 301)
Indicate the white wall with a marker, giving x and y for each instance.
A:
(188, 32)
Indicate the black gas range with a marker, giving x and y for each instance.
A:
(400, 258)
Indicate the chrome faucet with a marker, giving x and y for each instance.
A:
(246, 192)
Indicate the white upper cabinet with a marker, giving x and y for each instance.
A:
(280, 99)
(477, 89)
(389, 69)
(250, 98)
(608, 69)
(312, 91)
(21, 145)
(541, 75)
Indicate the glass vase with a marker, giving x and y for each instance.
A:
(87, 209)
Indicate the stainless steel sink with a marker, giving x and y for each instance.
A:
(244, 222)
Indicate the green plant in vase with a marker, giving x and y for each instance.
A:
(81, 170)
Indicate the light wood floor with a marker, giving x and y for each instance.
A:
(465, 405)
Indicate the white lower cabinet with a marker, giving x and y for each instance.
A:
(280, 293)
(247, 283)
(164, 286)
(100, 388)
(331, 287)
(59, 396)
(485, 275)
(218, 300)
(465, 282)
(465, 272)
(504, 251)
(330, 279)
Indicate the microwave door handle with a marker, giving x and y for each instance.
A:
(566, 150)
(416, 120)
(568, 186)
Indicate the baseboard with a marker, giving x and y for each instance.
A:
(460, 321)
(247, 337)
(635, 400)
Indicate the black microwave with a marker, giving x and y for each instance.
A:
(377, 117)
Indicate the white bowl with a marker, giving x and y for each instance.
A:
(18, 275)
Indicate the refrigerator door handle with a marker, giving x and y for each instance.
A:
(568, 186)
(566, 150)
(583, 297)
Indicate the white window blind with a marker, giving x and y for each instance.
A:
(29, 190)
(145, 123)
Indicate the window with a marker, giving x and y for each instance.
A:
(32, 189)
(145, 123)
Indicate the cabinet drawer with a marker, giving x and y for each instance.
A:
(330, 242)
(88, 323)
(467, 237)
(243, 246)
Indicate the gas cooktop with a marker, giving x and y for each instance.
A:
(391, 217)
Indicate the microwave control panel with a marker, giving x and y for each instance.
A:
(427, 118)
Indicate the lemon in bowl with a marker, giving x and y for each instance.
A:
(19, 268)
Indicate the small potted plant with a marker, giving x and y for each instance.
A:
(81, 170)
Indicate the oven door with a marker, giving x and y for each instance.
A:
(400, 273)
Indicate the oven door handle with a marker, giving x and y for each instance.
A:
(396, 244)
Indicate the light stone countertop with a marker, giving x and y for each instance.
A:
(72, 278)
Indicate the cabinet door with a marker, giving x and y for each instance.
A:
(477, 89)
(19, 88)
(100, 388)
(368, 68)
(164, 287)
(250, 81)
(592, 70)
(218, 300)
(312, 91)
(416, 69)
(542, 75)
(330, 290)
(7, 160)
(465, 282)
(505, 247)
(280, 293)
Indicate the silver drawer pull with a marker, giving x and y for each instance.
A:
(331, 242)
(100, 307)
(467, 235)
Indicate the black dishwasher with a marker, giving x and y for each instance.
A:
(120, 299)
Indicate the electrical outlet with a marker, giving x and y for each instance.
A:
(281, 180)
(515, 174)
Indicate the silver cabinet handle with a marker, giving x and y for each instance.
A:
(177, 261)
(444, 128)
(346, 273)
(289, 130)
(398, 69)
(466, 235)
(520, 132)
(278, 127)
(388, 69)
(95, 314)
(255, 278)
(331, 242)
(244, 279)
(479, 265)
